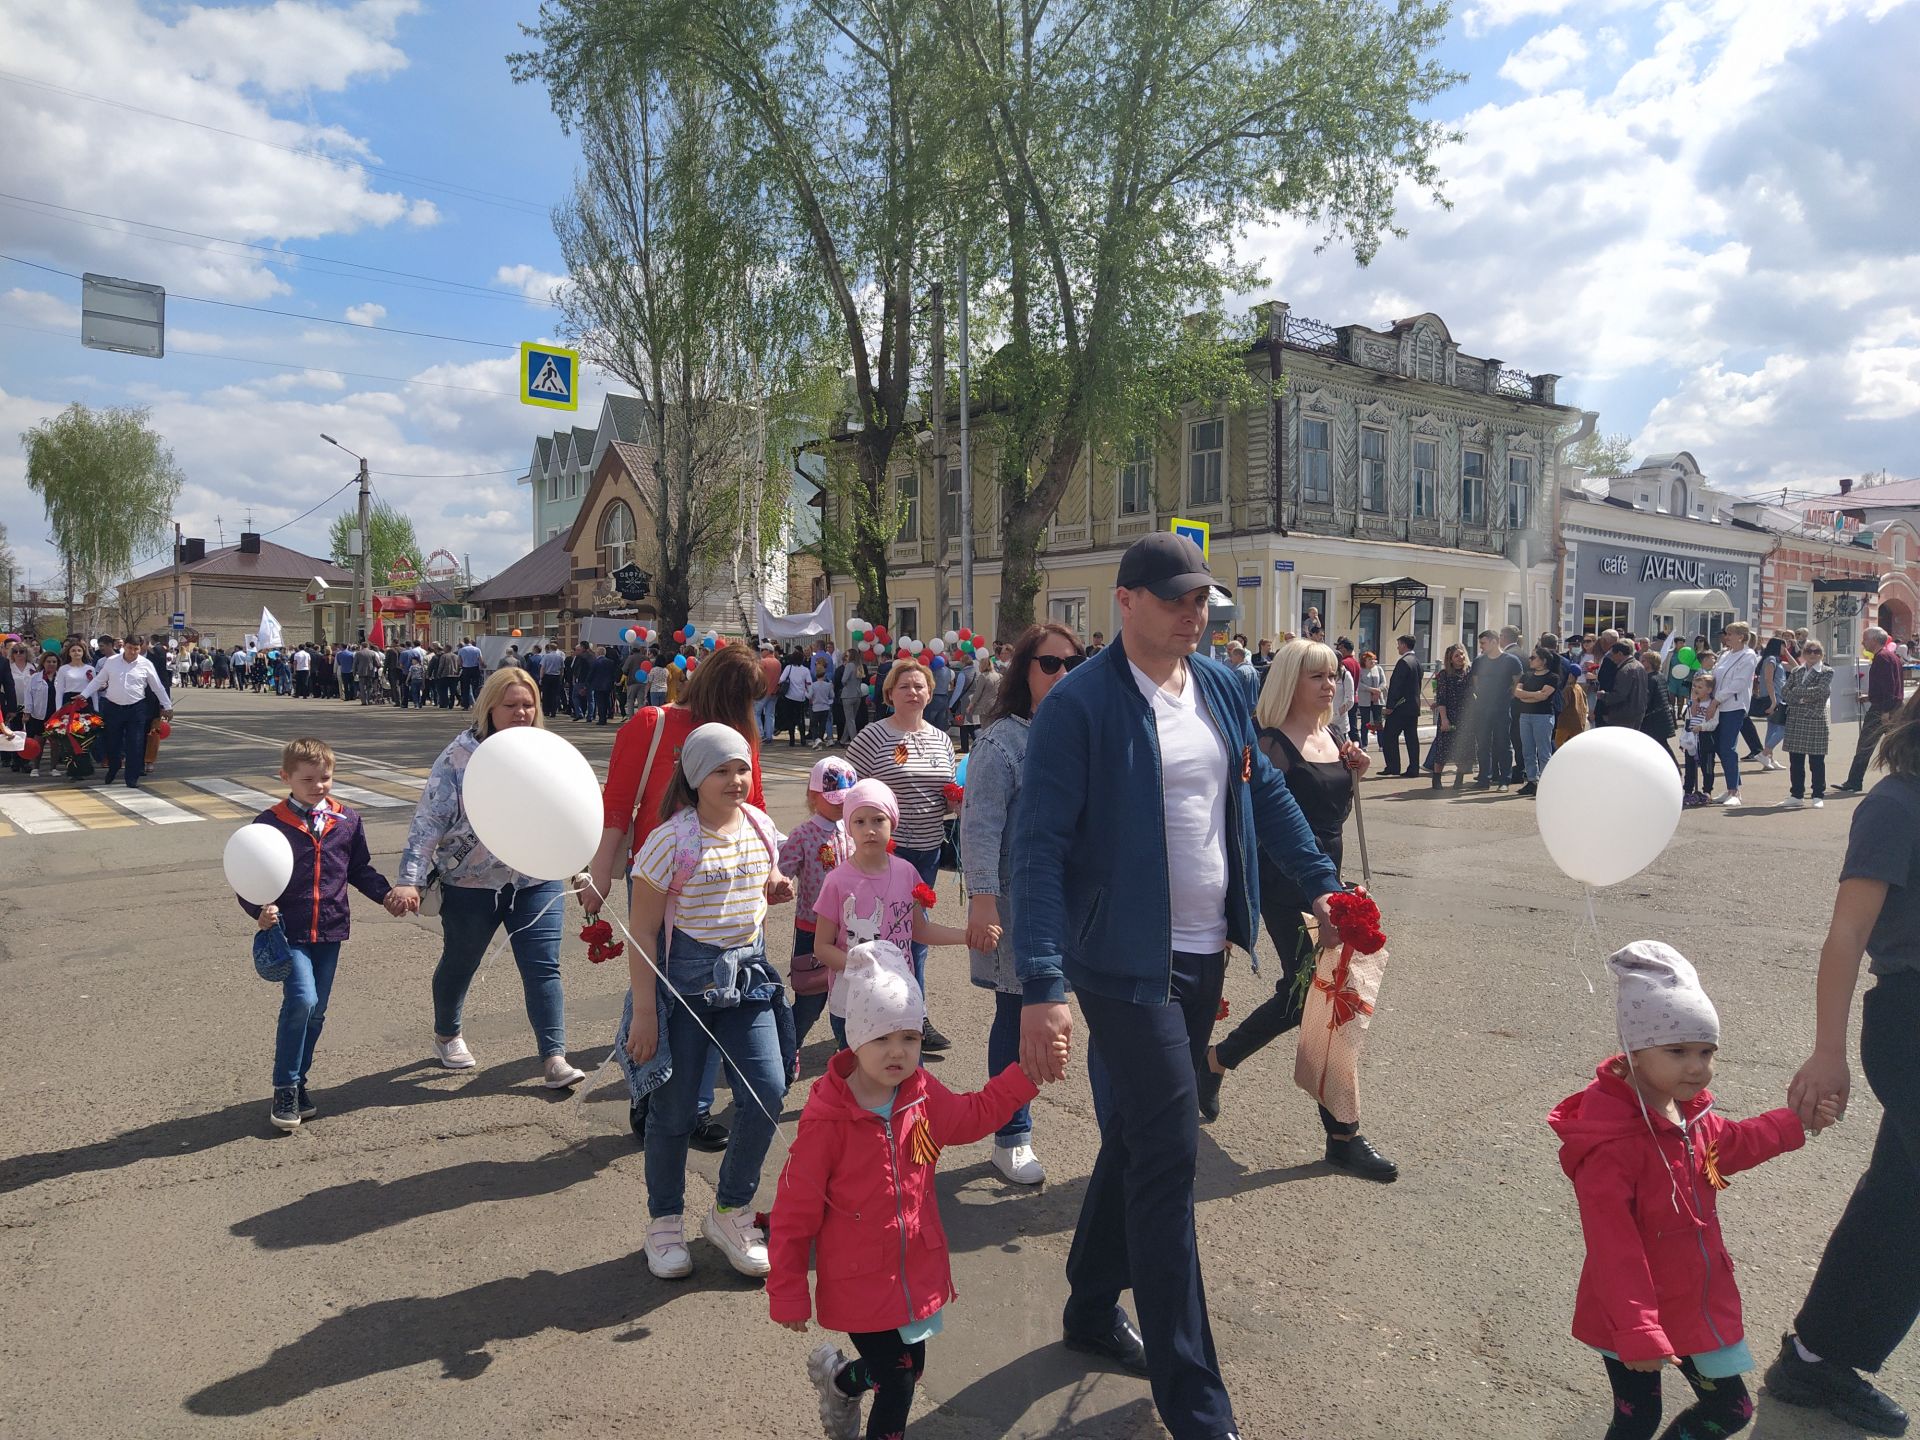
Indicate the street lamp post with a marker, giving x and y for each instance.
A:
(362, 570)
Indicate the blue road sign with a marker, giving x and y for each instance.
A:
(549, 376)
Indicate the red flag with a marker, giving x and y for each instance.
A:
(378, 638)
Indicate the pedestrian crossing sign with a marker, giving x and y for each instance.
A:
(548, 375)
(1198, 531)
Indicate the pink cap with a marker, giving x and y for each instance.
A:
(832, 777)
(871, 794)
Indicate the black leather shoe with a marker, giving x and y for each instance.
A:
(932, 1039)
(1841, 1392)
(708, 1134)
(1208, 1084)
(1357, 1157)
(1121, 1346)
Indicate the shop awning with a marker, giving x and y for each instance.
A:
(394, 604)
(1399, 593)
(1694, 602)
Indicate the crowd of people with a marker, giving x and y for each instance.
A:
(89, 709)
(1232, 823)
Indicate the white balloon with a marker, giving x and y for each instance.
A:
(952, 637)
(1680, 672)
(1609, 803)
(259, 863)
(533, 801)
(937, 645)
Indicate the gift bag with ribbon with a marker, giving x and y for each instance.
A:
(1343, 984)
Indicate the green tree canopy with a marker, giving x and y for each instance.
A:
(1603, 456)
(392, 538)
(108, 483)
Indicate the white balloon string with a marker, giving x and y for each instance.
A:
(1580, 935)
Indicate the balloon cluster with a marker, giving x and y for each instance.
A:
(872, 642)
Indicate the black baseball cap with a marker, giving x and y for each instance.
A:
(1169, 565)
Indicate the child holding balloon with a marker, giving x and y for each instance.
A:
(311, 908)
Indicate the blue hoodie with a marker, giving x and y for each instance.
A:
(1091, 896)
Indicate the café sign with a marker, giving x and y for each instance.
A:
(1671, 569)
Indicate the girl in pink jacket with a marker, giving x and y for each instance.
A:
(858, 1191)
(1648, 1157)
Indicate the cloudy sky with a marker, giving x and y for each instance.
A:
(1698, 212)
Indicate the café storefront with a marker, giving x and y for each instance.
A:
(1641, 573)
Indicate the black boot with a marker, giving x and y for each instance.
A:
(1208, 1084)
(1354, 1155)
(1828, 1385)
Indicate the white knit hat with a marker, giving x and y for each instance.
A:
(881, 994)
(1660, 1001)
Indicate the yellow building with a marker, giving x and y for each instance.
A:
(1411, 490)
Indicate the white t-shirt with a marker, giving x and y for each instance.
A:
(799, 680)
(1733, 678)
(302, 662)
(1193, 771)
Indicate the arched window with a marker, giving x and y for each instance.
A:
(616, 537)
(1678, 505)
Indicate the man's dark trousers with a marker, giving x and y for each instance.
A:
(1136, 1222)
(126, 737)
(1872, 722)
(1404, 721)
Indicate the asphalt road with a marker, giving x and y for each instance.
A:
(459, 1254)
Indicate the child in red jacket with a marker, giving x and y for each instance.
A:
(1648, 1156)
(859, 1184)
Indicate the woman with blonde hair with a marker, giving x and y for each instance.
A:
(914, 760)
(1321, 768)
(479, 894)
(1450, 689)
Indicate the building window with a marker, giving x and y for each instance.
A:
(1473, 487)
(616, 537)
(553, 530)
(1313, 610)
(1373, 469)
(1206, 461)
(1426, 480)
(1604, 612)
(573, 484)
(1712, 622)
(1367, 628)
(1470, 626)
(529, 622)
(1516, 615)
(950, 503)
(1678, 504)
(1519, 491)
(1070, 611)
(1136, 479)
(906, 489)
(553, 487)
(1799, 608)
(906, 619)
(1316, 467)
(1423, 630)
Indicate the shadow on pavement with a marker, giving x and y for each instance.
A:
(456, 1330)
(1002, 1397)
(360, 1207)
(190, 1134)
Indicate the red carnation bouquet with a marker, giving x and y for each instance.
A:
(601, 946)
(1341, 983)
(954, 794)
(924, 896)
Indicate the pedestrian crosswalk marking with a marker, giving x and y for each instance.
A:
(147, 806)
(394, 777)
(92, 812)
(240, 795)
(33, 815)
(372, 799)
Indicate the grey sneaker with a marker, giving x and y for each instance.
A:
(286, 1108)
(839, 1413)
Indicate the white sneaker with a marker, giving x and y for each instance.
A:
(1732, 801)
(839, 1414)
(1819, 804)
(453, 1053)
(1790, 803)
(739, 1239)
(1018, 1164)
(1769, 763)
(561, 1074)
(666, 1247)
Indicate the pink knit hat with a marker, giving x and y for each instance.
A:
(873, 794)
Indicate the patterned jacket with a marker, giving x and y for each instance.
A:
(441, 835)
(1807, 690)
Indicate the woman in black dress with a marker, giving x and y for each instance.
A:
(1450, 688)
(1295, 715)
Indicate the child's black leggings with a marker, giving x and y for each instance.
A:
(890, 1368)
(1721, 1407)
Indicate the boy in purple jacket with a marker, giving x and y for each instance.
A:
(329, 853)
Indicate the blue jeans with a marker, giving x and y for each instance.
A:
(1003, 1049)
(303, 1010)
(749, 1034)
(1726, 743)
(1136, 1220)
(763, 717)
(1536, 743)
(927, 862)
(470, 678)
(468, 919)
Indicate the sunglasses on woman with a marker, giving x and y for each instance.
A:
(1054, 664)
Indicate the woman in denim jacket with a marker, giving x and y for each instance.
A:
(1042, 655)
(479, 894)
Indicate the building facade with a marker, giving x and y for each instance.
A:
(1642, 572)
(223, 592)
(1385, 479)
(1888, 511)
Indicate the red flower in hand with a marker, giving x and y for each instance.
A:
(1356, 919)
(954, 794)
(598, 934)
(923, 895)
(1221, 1013)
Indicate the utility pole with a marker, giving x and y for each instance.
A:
(176, 572)
(363, 572)
(938, 358)
(966, 467)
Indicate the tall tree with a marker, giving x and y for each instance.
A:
(390, 538)
(1603, 456)
(108, 483)
(837, 103)
(1125, 145)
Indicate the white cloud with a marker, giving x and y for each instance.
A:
(366, 314)
(1485, 15)
(1545, 58)
(37, 307)
(534, 283)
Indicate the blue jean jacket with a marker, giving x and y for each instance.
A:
(1091, 875)
(690, 973)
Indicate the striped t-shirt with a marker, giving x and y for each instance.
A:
(917, 766)
(724, 901)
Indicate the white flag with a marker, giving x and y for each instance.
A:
(269, 632)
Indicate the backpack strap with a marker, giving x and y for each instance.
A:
(685, 829)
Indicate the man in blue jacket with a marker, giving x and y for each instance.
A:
(1142, 800)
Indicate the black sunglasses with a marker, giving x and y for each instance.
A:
(1054, 664)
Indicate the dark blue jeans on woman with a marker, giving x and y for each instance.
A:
(1003, 1049)
(927, 862)
(469, 917)
(303, 1010)
(1726, 743)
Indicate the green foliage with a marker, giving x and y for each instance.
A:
(1603, 456)
(108, 483)
(392, 538)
